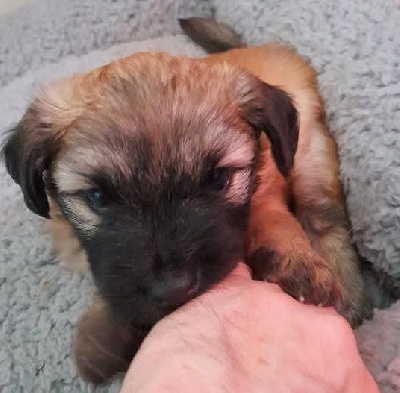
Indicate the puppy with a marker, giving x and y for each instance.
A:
(163, 172)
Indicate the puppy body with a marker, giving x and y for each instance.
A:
(161, 173)
(314, 186)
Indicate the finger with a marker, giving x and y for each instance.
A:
(241, 273)
(241, 270)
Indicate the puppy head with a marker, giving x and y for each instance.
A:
(152, 162)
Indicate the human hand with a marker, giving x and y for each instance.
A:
(248, 336)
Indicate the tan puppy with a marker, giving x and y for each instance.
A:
(163, 172)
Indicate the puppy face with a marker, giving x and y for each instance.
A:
(152, 162)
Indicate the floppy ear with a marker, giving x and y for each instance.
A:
(27, 153)
(34, 141)
(269, 109)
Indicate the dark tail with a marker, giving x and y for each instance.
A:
(211, 35)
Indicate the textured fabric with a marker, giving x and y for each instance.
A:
(378, 341)
(355, 49)
(50, 29)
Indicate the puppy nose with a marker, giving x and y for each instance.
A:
(175, 290)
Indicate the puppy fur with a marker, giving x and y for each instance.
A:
(322, 238)
(161, 173)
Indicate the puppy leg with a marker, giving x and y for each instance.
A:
(279, 252)
(319, 206)
(104, 345)
(278, 249)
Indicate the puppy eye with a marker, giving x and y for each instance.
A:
(219, 179)
(95, 198)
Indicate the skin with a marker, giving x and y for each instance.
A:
(226, 341)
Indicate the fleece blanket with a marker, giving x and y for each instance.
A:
(355, 48)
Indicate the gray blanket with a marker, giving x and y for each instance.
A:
(354, 46)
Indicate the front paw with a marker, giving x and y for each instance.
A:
(104, 345)
(302, 274)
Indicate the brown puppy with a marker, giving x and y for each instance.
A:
(163, 172)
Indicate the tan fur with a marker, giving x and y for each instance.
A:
(65, 244)
(314, 182)
(103, 345)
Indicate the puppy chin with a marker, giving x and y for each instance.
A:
(148, 314)
(142, 312)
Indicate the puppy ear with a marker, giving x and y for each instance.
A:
(269, 109)
(35, 140)
(27, 153)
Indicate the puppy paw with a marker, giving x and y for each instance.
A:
(303, 275)
(103, 346)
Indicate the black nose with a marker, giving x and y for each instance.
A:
(173, 290)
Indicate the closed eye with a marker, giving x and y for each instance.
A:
(219, 179)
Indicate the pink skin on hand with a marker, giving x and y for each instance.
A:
(248, 336)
